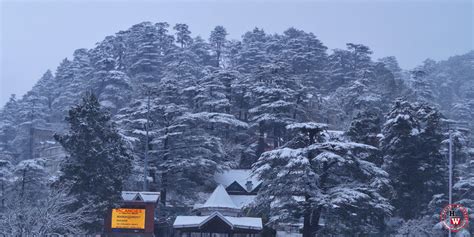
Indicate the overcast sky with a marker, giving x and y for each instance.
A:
(36, 35)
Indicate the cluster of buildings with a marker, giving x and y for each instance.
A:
(222, 215)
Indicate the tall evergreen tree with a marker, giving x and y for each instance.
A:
(252, 52)
(311, 177)
(411, 148)
(97, 161)
(218, 42)
(183, 35)
(365, 127)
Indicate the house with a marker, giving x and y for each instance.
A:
(242, 188)
(219, 216)
(238, 181)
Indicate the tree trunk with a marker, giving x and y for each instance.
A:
(218, 53)
(315, 216)
(307, 224)
(307, 219)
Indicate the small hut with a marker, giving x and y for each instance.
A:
(218, 217)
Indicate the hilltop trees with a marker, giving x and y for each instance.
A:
(195, 106)
(183, 37)
(97, 163)
(218, 41)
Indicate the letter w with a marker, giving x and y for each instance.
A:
(455, 220)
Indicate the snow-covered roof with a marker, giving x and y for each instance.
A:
(242, 201)
(133, 196)
(241, 176)
(220, 198)
(234, 222)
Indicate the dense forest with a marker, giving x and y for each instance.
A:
(363, 141)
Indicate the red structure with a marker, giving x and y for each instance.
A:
(134, 200)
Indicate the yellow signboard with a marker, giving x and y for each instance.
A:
(125, 218)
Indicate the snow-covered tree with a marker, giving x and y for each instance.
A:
(276, 101)
(218, 42)
(6, 174)
(183, 35)
(314, 178)
(411, 147)
(112, 87)
(30, 179)
(391, 63)
(302, 51)
(365, 127)
(147, 45)
(49, 215)
(251, 53)
(97, 163)
(8, 128)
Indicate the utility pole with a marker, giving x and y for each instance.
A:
(450, 170)
(145, 166)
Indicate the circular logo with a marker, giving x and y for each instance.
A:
(454, 217)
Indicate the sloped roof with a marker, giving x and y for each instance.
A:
(133, 196)
(234, 222)
(241, 176)
(220, 198)
(242, 201)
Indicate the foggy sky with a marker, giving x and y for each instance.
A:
(37, 35)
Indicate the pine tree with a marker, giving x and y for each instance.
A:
(64, 96)
(97, 162)
(218, 42)
(202, 50)
(148, 44)
(31, 176)
(112, 87)
(410, 145)
(6, 174)
(391, 63)
(365, 127)
(8, 130)
(46, 95)
(276, 102)
(183, 37)
(311, 177)
(252, 52)
(302, 51)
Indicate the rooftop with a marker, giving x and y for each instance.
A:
(134, 196)
(241, 176)
(234, 222)
(220, 198)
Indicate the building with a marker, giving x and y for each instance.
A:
(219, 216)
(242, 188)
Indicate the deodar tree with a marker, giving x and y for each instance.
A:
(313, 178)
(97, 163)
